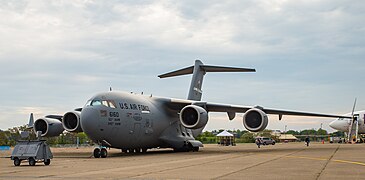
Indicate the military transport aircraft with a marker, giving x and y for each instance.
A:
(135, 123)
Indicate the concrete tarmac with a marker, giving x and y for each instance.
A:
(244, 161)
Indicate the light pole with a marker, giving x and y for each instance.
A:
(285, 132)
(320, 133)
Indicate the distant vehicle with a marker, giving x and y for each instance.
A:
(336, 140)
(265, 140)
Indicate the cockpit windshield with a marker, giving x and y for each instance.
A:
(95, 103)
(107, 103)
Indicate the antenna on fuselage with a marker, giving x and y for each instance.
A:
(198, 71)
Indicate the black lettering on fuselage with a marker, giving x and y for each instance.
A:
(114, 114)
(138, 107)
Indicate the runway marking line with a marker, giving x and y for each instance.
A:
(323, 159)
(350, 162)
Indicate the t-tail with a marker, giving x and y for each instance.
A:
(198, 71)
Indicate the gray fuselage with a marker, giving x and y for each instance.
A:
(127, 120)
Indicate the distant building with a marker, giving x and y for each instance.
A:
(276, 133)
(287, 138)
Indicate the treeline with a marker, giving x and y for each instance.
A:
(209, 137)
(12, 135)
(314, 132)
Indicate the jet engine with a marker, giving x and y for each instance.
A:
(71, 121)
(255, 120)
(48, 126)
(193, 117)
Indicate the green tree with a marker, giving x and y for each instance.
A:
(247, 138)
(321, 132)
(308, 132)
(293, 132)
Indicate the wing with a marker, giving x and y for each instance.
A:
(212, 107)
(231, 110)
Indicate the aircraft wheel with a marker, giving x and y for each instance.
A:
(124, 150)
(144, 150)
(103, 153)
(195, 149)
(16, 161)
(97, 153)
(47, 162)
(31, 161)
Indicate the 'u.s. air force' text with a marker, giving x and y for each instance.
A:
(134, 106)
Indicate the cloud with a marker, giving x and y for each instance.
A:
(308, 54)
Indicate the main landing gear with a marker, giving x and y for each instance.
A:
(187, 148)
(103, 153)
(136, 150)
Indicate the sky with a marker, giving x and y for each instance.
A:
(309, 55)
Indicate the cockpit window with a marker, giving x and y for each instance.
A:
(112, 104)
(105, 103)
(95, 103)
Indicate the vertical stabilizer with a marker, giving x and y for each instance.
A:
(195, 91)
(198, 71)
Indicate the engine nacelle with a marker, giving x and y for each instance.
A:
(255, 120)
(71, 121)
(193, 117)
(48, 126)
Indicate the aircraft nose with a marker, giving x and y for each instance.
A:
(333, 124)
(338, 125)
(89, 120)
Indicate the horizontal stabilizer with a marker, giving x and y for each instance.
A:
(205, 68)
(199, 70)
(180, 72)
(208, 68)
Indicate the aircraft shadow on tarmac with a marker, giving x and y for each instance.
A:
(219, 150)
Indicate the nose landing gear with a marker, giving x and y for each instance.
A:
(103, 153)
